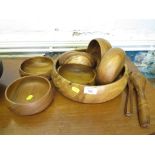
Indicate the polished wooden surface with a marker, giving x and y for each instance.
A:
(64, 116)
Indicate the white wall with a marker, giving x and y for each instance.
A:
(47, 20)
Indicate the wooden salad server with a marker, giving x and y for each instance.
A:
(130, 94)
(139, 82)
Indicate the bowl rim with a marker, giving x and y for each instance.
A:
(21, 78)
(28, 59)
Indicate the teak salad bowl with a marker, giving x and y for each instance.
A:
(85, 93)
(29, 95)
(97, 48)
(40, 66)
(110, 66)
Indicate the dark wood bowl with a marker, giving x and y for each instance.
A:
(78, 73)
(1, 68)
(85, 93)
(29, 95)
(77, 57)
(40, 66)
(97, 48)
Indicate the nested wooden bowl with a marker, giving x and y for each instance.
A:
(78, 73)
(40, 66)
(85, 93)
(29, 95)
(1, 68)
(97, 48)
(76, 57)
(110, 66)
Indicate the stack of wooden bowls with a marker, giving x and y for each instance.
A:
(33, 92)
(77, 67)
(95, 75)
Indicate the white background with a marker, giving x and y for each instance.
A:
(30, 20)
(73, 12)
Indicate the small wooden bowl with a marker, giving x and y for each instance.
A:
(76, 57)
(29, 95)
(76, 73)
(97, 48)
(1, 68)
(40, 66)
(85, 93)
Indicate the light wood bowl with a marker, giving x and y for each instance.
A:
(110, 66)
(29, 95)
(76, 73)
(76, 57)
(85, 93)
(1, 68)
(40, 66)
(97, 48)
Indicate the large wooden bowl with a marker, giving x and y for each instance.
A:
(85, 93)
(97, 48)
(77, 57)
(40, 66)
(29, 95)
(1, 68)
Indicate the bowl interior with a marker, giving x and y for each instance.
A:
(77, 73)
(37, 65)
(27, 90)
(95, 50)
(76, 57)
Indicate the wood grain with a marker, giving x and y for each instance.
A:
(64, 116)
